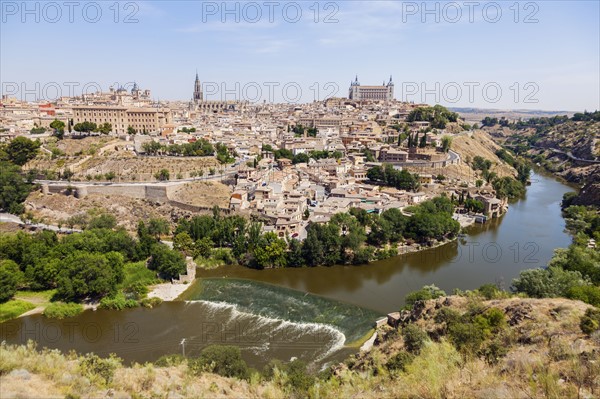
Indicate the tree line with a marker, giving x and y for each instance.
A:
(573, 272)
(15, 185)
(438, 116)
(356, 237)
(400, 179)
(507, 186)
(86, 265)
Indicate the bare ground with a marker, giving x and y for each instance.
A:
(203, 193)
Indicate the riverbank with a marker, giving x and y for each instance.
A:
(538, 355)
(168, 291)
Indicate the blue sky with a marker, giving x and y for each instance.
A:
(546, 56)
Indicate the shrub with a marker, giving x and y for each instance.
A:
(425, 293)
(466, 337)
(269, 368)
(548, 283)
(298, 377)
(103, 221)
(220, 359)
(118, 302)
(61, 310)
(587, 293)
(446, 315)
(494, 351)
(224, 255)
(590, 321)
(491, 321)
(414, 338)
(94, 366)
(489, 291)
(169, 360)
(150, 302)
(12, 309)
(135, 291)
(399, 361)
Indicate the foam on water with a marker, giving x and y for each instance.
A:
(336, 340)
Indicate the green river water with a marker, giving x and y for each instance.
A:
(310, 313)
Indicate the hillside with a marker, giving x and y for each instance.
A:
(469, 145)
(475, 115)
(92, 158)
(528, 348)
(56, 208)
(568, 147)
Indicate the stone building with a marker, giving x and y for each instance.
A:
(385, 92)
(142, 119)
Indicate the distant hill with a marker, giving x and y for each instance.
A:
(568, 147)
(475, 115)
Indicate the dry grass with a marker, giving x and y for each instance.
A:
(92, 157)
(550, 358)
(201, 193)
(55, 208)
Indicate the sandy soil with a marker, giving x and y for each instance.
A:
(203, 193)
(167, 291)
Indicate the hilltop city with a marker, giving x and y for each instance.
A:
(290, 164)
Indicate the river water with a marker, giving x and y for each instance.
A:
(310, 313)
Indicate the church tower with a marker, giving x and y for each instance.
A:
(197, 90)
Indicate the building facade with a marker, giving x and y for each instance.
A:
(142, 119)
(198, 102)
(385, 92)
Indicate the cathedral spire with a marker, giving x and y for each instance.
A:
(197, 89)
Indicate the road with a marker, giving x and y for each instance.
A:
(9, 218)
(231, 170)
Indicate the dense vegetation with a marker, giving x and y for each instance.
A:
(541, 123)
(400, 179)
(87, 265)
(438, 116)
(15, 185)
(573, 272)
(301, 157)
(200, 148)
(351, 238)
(507, 186)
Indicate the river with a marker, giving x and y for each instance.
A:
(311, 313)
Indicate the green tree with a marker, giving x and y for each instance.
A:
(162, 175)
(204, 246)
(91, 275)
(300, 158)
(20, 150)
(105, 128)
(220, 359)
(184, 243)
(548, 283)
(158, 227)
(168, 263)
(59, 128)
(294, 255)
(313, 251)
(14, 188)
(103, 221)
(270, 251)
(446, 143)
(9, 279)
(85, 127)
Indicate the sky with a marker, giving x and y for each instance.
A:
(502, 55)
